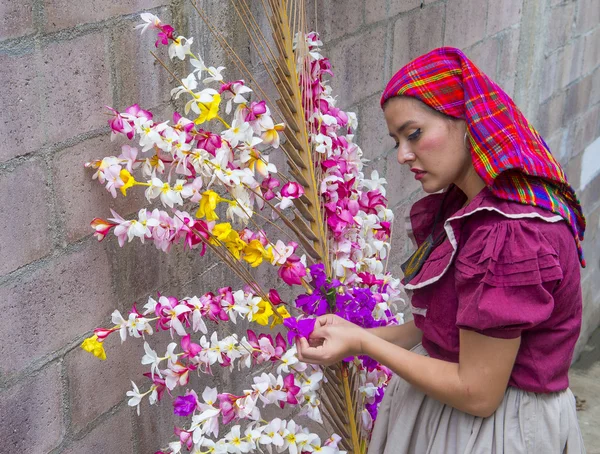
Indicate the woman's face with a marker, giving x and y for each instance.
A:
(433, 146)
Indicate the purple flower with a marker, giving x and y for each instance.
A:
(323, 299)
(185, 405)
(299, 328)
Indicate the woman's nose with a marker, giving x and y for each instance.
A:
(405, 155)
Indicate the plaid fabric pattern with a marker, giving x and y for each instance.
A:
(507, 152)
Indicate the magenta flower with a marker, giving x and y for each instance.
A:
(274, 297)
(227, 404)
(291, 389)
(185, 437)
(189, 348)
(208, 141)
(160, 384)
(184, 405)
(292, 190)
(292, 271)
(166, 33)
(255, 110)
(267, 186)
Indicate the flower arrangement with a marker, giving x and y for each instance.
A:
(333, 230)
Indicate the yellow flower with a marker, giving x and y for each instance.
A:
(128, 180)
(208, 111)
(282, 311)
(208, 205)
(263, 314)
(235, 244)
(254, 253)
(92, 345)
(220, 232)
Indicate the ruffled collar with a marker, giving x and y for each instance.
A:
(421, 220)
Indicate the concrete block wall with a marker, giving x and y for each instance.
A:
(62, 61)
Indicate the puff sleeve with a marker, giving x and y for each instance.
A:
(505, 275)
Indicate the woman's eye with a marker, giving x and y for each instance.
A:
(415, 135)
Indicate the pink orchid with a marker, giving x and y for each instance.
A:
(371, 200)
(292, 190)
(228, 405)
(165, 34)
(208, 141)
(267, 186)
(255, 110)
(185, 437)
(274, 297)
(120, 125)
(190, 350)
(197, 233)
(159, 383)
(136, 111)
(103, 333)
(291, 389)
(292, 271)
(102, 228)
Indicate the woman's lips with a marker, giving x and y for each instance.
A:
(418, 173)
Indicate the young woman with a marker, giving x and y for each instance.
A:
(494, 285)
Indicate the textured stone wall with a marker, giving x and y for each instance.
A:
(62, 61)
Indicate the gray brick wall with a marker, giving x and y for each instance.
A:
(62, 61)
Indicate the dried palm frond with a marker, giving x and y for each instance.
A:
(284, 65)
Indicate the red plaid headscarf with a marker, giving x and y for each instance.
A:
(507, 152)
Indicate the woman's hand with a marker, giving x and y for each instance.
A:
(332, 340)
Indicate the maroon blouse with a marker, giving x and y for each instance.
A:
(505, 270)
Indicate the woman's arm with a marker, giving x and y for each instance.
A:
(476, 385)
(406, 335)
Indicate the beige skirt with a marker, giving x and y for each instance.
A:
(525, 423)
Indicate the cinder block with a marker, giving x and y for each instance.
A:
(79, 198)
(588, 15)
(590, 195)
(68, 13)
(591, 54)
(16, 19)
(336, 19)
(21, 115)
(573, 61)
(382, 10)
(465, 22)
(509, 52)
(503, 14)
(485, 56)
(595, 92)
(25, 236)
(550, 116)
(377, 10)
(31, 412)
(76, 73)
(358, 65)
(560, 26)
(53, 305)
(417, 33)
(96, 386)
(139, 77)
(111, 436)
(578, 99)
(374, 136)
(573, 171)
(552, 74)
(587, 129)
